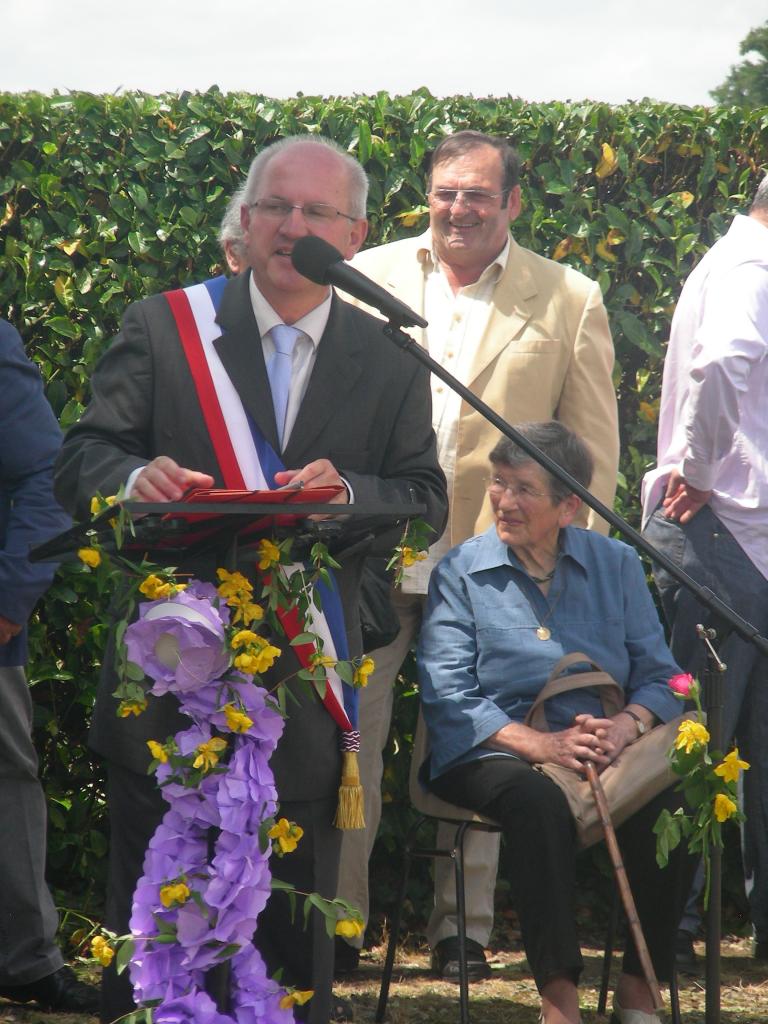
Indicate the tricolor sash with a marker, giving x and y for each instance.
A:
(248, 461)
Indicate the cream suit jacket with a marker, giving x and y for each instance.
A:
(546, 353)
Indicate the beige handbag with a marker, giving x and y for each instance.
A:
(641, 771)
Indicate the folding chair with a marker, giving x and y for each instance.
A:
(431, 807)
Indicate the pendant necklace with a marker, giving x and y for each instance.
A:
(543, 632)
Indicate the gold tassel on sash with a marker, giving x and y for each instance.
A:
(349, 813)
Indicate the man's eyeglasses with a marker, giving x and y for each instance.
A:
(475, 198)
(315, 213)
(521, 492)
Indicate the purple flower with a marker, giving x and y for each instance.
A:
(195, 1008)
(178, 643)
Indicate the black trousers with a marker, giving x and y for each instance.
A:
(305, 955)
(540, 853)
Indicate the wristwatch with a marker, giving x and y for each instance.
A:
(642, 728)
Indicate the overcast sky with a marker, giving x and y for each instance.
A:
(612, 50)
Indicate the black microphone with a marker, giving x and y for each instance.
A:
(318, 260)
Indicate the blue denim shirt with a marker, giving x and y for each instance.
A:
(481, 663)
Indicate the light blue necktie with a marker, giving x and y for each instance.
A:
(279, 372)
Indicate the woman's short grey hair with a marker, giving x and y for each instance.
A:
(559, 443)
(760, 202)
(231, 229)
(358, 180)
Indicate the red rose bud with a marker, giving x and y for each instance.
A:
(684, 685)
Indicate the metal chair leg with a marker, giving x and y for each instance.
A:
(674, 997)
(461, 915)
(394, 931)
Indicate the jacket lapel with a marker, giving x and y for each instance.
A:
(337, 370)
(240, 350)
(510, 311)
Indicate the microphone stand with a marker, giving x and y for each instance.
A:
(393, 330)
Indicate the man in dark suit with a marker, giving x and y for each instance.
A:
(357, 416)
(31, 966)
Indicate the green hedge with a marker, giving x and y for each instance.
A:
(104, 199)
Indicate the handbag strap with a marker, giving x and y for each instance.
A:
(560, 681)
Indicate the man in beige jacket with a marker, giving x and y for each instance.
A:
(530, 337)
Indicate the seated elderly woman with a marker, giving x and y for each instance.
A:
(503, 608)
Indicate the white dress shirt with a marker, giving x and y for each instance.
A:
(456, 325)
(713, 422)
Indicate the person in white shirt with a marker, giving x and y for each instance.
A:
(531, 338)
(705, 505)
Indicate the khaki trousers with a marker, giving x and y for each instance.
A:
(481, 850)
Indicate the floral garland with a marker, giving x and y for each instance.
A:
(197, 903)
(708, 781)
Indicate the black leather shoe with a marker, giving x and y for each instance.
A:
(341, 1010)
(445, 960)
(686, 960)
(60, 991)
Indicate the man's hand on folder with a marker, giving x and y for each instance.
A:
(162, 479)
(320, 473)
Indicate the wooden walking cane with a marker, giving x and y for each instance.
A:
(623, 883)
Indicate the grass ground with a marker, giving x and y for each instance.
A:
(509, 997)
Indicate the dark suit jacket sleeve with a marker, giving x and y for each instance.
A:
(29, 440)
(410, 471)
(113, 437)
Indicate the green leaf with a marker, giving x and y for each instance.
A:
(124, 954)
(64, 326)
(303, 638)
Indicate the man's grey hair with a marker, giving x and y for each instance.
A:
(231, 229)
(559, 443)
(760, 202)
(358, 180)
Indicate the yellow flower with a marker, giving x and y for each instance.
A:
(363, 670)
(245, 611)
(176, 893)
(157, 750)
(324, 660)
(102, 951)
(237, 720)
(233, 583)
(99, 504)
(269, 552)
(153, 587)
(411, 557)
(126, 708)
(90, 556)
(690, 735)
(208, 753)
(296, 997)
(731, 766)
(247, 664)
(242, 638)
(257, 660)
(350, 927)
(287, 833)
(724, 807)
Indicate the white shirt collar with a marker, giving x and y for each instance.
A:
(312, 324)
(428, 258)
